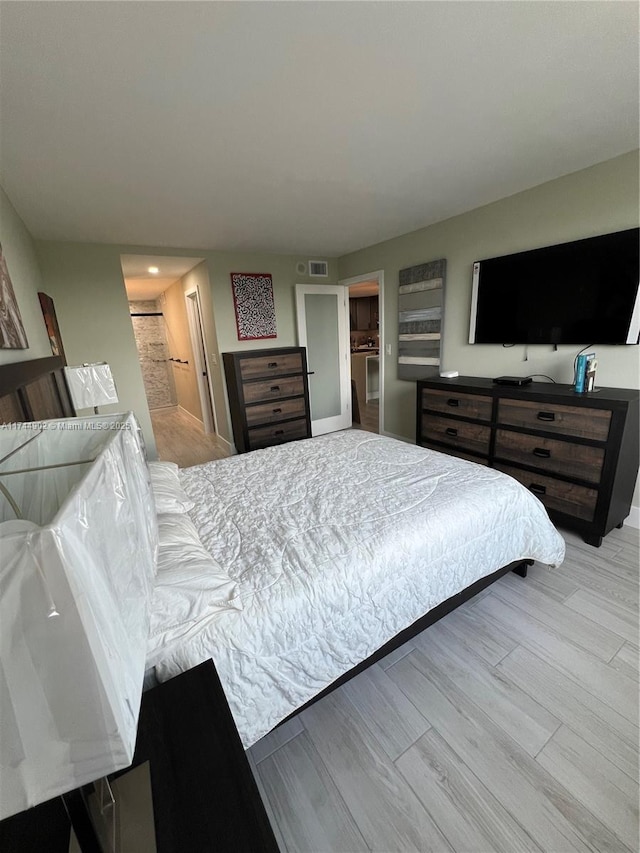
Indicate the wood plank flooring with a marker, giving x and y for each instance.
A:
(511, 725)
(369, 417)
(179, 439)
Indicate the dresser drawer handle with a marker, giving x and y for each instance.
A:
(275, 388)
(541, 452)
(546, 416)
(451, 431)
(272, 364)
(453, 402)
(279, 432)
(537, 489)
(276, 411)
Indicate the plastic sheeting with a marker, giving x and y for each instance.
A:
(78, 546)
(91, 385)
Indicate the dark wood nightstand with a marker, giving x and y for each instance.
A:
(205, 798)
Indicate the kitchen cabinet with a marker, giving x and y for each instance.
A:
(365, 368)
(363, 313)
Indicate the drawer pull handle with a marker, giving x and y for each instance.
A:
(277, 411)
(453, 402)
(537, 489)
(279, 432)
(275, 388)
(541, 452)
(451, 431)
(272, 364)
(546, 416)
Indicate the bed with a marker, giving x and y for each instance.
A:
(335, 546)
(295, 566)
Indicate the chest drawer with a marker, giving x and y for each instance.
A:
(454, 403)
(576, 501)
(278, 410)
(548, 454)
(256, 367)
(458, 434)
(266, 436)
(454, 451)
(577, 421)
(273, 389)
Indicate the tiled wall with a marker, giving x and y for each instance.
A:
(153, 354)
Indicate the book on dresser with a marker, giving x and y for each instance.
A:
(268, 393)
(577, 453)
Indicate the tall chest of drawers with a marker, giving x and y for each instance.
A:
(268, 396)
(578, 453)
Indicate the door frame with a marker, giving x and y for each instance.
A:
(377, 275)
(201, 359)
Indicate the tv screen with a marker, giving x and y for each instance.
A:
(583, 292)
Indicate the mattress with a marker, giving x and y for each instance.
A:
(336, 544)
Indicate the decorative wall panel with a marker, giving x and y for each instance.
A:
(420, 319)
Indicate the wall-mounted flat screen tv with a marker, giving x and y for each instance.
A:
(583, 292)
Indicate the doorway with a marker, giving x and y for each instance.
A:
(164, 299)
(203, 373)
(366, 344)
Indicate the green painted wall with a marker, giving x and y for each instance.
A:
(85, 280)
(20, 255)
(592, 201)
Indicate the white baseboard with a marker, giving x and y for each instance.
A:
(633, 519)
(192, 417)
(230, 446)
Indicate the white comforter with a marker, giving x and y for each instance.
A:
(337, 543)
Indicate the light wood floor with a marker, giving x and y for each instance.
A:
(369, 417)
(511, 725)
(179, 439)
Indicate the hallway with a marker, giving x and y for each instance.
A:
(180, 440)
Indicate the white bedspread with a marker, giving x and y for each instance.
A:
(337, 543)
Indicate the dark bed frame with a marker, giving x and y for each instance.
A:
(37, 390)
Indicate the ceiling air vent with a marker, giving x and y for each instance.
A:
(318, 268)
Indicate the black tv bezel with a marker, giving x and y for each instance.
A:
(633, 329)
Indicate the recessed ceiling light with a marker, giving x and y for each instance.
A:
(154, 270)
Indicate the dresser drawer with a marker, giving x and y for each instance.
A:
(576, 421)
(459, 454)
(453, 403)
(256, 367)
(547, 454)
(273, 389)
(576, 501)
(276, 411)
(277, 433)
(458, 434)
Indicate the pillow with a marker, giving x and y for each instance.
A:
(167, 490)
(191, 588)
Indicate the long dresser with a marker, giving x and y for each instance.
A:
(578, 453)
(268, 396)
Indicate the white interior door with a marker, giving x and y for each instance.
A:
(203, 374)
(323, 328)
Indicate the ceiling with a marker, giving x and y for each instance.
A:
(312, 128)
(140, 284)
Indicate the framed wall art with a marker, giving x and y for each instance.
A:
(51, 323)
(254, 305)
(12, 333)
